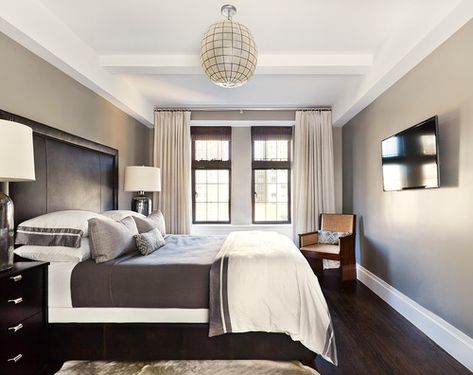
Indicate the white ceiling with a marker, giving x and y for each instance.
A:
(144, 53)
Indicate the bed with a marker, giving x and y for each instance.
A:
(74, 173)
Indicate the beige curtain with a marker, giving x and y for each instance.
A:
(172, 153)
(313, 175)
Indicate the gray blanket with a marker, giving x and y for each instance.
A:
(175, 276)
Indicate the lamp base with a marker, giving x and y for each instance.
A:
(142, 204)
(6, 232)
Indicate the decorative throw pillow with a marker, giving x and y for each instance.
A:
(149, 242)
(330, 238)
(153, 221)
(109, 239)
(60, 228)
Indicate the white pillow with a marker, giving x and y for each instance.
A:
(118, 215)
(55, 253)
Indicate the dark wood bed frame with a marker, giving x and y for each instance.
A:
(75, 173)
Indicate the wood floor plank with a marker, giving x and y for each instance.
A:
(372, 338)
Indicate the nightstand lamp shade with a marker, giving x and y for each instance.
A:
(16, 164)
(142, 179)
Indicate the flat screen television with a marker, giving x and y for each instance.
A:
(410, 158)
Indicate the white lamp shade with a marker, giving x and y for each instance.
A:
(142, 179)
(16, 152)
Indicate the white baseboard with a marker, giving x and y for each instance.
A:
(449, 338)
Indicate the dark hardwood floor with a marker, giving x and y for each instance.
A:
(372, 338)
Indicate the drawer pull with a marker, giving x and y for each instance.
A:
(15, 359)
(16, 301)
(16, 328)
(16, 278)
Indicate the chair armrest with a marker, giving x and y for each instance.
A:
(347, 237)
(308, 238)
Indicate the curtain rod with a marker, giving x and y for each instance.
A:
(228, 109)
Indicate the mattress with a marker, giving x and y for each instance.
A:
(168, 286)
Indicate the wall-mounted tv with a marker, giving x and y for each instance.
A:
(410, 158)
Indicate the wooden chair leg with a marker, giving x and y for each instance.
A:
(347, 272)
(318, 266)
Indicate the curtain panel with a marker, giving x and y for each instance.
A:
(172, 153)
(313, 169)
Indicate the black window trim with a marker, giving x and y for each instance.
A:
(223, 132)
(267, 131)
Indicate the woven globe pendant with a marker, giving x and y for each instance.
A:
(228, 52)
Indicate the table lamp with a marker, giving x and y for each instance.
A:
(142, 179)
(16, 164)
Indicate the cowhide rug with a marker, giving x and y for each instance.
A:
(240, 367)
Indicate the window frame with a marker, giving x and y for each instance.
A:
(268, 131)
(223, 133)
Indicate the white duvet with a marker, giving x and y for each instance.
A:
(260, 281)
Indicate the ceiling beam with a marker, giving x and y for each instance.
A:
(399, 55)
(287, 64)
(32, 25)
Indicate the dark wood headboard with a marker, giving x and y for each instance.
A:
(72, 173)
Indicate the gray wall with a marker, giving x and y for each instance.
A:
(419, 241)
(33, 88)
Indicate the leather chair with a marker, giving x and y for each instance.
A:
(344, 252)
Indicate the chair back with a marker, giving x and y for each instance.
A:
(338, 223)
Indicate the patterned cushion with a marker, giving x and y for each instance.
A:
(149, 242)
(331, 238)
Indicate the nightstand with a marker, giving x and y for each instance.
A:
(23, 318)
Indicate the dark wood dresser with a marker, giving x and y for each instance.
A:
(23, 318)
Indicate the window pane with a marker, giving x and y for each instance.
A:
(271, 195)
(200, 193)
(271, 212)
(212, 195)
(223, 193)
(200, 150)
(271, 150)
(212, 176)
(282, 212)
(260, 212)
(223, 176)
(212, 211)
(201, 211)
(212, 150)
(200, 176)
(223, 212)
(259, 150)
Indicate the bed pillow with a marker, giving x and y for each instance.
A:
(55, 253)
(153, 221)
(330, 238)
(149, 242)
(60, 228)
(118, 215)
(109, 238)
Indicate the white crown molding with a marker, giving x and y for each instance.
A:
(399, 55)
(33, 26)
(449, 338)
(287, 64)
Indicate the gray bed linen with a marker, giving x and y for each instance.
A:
(175, 276)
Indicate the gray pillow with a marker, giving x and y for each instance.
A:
(149, 242)
(153, 221)
(330, 238)
(110, 239)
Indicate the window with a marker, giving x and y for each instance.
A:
(211, 174)
(271, 178)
